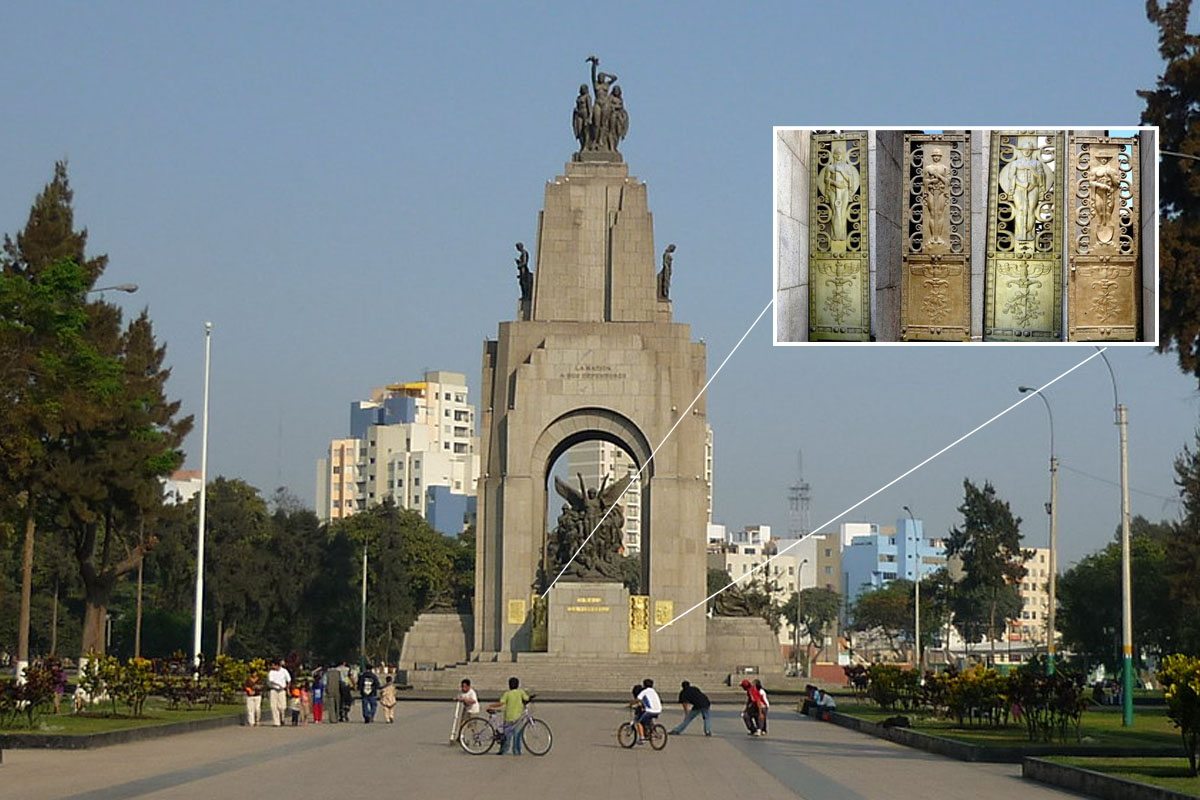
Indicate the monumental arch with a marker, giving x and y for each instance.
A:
(594, 353)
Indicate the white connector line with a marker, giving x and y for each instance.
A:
(886, 486)
(682, 417)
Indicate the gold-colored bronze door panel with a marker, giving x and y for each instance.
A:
(1023, 276)
(1103, 286)
(935, 290)
(839, 271)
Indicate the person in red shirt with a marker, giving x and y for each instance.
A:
(752, 714)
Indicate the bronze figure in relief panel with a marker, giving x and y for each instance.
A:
(935, 288)
(839, 266)
(1104, 282)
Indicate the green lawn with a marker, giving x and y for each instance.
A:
(94, 721)
(1169, 773)
(1101, 726)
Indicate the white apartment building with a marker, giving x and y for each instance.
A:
(1030, 629)
(413, 442)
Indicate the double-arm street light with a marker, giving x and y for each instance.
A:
(1051, 643)
(1126, 578)
(917, 591)
(128, 288)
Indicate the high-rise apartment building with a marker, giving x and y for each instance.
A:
(414, 442)
(877, 556)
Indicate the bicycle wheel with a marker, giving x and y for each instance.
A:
(658, 736)
(536, 737)
(627, 735)
(476, 736)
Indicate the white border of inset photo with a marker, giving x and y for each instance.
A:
(887, 227)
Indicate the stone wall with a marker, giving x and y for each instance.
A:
(735, 642)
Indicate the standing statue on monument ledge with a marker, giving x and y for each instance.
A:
(524, 274)
(664, 275)
(581, 117)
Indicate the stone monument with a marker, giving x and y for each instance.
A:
(597, 356)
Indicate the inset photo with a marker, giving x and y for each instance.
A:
(999, 235)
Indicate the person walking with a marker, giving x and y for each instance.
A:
(346, 692)
(253, 690)
(368, 693)
(318, 694)
(387, 699)
(277, 681)
(332, 696)
(695, 704)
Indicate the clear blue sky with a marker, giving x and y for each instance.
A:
(338, 188)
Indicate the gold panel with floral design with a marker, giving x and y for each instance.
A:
(1023, 277)
(839, 271)
(1103, 295)
(639, 623)
(935, 291)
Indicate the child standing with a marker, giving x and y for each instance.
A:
(305, 704)
(318, 697)
(253, 690)
(294, 704)
(387, 699)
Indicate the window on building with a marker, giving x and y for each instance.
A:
(371, 495)
(745, 568)
(417, 464)
(337, 470)
(400, 483)
(447, 413)
(792, 569)
(729, 568)
(445, 395)
(372, 460)
(829, 570)
(460, 398)
(458, 484)
(445, 445)
(829, 552)
(791, 586)
(416, 482)
(416, 499)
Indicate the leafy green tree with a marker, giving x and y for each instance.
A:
(1172, 106)
(989, 545)
(1089, 599)
(888, 609)
(811, 612)
(47, 365)
(1183, 552)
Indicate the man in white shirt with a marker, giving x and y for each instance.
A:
(466, 703)
(651, 707)
(277, 681)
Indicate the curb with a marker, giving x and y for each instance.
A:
(1095, 784)
(58, 741)
(962, 751)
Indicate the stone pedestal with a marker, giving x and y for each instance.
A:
(588, 620)
(737, 642)
(436, 641)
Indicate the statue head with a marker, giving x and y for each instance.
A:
(616, 91)
(583, 90)
(520, 247)
(671, 248)
(1026, 145)
(936, 154)
(591, 494)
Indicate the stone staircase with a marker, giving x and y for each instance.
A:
(538, 673)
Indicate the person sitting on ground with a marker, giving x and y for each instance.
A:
(651, 708)
(695, 703)
(810, 699)
(826, 705)
(513, 702)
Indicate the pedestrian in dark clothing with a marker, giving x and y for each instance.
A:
(695, 703)
(368, 692)
(347, 697)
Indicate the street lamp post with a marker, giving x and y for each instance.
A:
(362, 631)
(199, 609)
(796, 626)
(917, 593)
(1126, 577)
(1051, 642)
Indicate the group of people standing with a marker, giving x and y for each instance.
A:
(326, 696)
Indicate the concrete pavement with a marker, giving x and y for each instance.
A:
(801, 758)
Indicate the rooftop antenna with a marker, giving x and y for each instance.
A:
(799, 499)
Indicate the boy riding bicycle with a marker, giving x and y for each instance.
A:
(651, 705)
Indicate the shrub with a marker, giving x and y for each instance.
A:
(1180, 677)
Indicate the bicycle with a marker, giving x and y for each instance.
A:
(627, 736)
(478, 736)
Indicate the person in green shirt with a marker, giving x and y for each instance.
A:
(513, 702)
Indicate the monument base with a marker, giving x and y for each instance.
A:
(436, 641)
(588, 620)
(735, 643)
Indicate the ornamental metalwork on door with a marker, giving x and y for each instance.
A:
(1102, 286)
(935, 293)
(1023, 277)
(839, 306)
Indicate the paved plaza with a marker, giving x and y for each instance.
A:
(801, 758)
